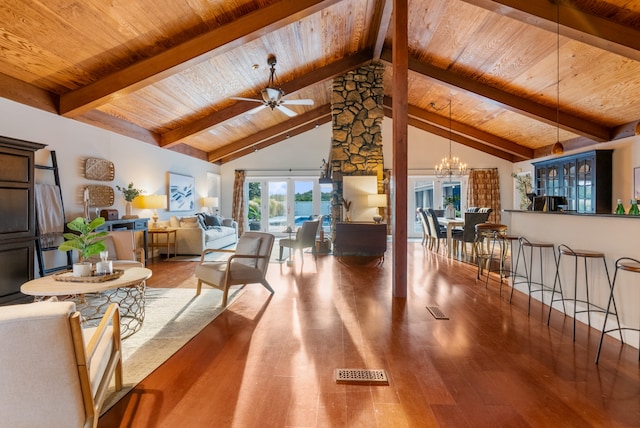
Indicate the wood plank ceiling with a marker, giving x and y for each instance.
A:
(164, 71)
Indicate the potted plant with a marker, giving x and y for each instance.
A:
(129, 193)
(85, 241)
(449, 206)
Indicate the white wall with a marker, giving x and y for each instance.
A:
(143, 164)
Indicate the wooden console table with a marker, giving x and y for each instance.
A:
(360, 239)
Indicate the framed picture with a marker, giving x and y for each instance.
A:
(181, 192)
(636, 182)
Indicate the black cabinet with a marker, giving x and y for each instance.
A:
(584, 179)
(17, 216)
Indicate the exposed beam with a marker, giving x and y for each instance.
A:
(380, 27)
(574, 23)
(458, 138)
(486, 139)
(317, 76)
(28, 94)
(276, 139)
(509, 101)
(310, 117)
(222, 39)
(103, 120)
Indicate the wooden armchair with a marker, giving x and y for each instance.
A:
(248, 264)
(54, 373)
(122, 250)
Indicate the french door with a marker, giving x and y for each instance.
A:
(274, 204)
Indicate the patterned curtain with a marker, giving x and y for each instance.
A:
(484, 191)
(238, 200)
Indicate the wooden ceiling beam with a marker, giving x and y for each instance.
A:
(282, 128)
(549, 115)
(574, 23)
(28, 94)
(277, 139)
(320, 75)
(103, 120)
(381, 24)
(222, 39)
(520, 152)
(442, 132)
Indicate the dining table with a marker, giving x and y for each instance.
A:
(451, 223)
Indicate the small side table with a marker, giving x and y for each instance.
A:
(169, 241)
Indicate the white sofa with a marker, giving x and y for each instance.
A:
(193, 237)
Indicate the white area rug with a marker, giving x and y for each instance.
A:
(172, 317)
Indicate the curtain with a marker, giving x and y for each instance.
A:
(238, 200)
(484, 191)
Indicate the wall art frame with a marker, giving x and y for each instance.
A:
(181, 192)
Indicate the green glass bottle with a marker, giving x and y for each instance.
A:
(634, 207)
(620, 207)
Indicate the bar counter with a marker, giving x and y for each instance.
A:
(614, 235)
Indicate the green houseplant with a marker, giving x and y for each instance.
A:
(129, 193)
(85, 240)
(449, 205)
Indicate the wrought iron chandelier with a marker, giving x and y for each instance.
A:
(450, 166)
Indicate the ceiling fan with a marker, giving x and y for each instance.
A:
(272, 97)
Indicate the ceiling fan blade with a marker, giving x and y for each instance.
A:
(257, 109)
(246, 99)
(286, 111)
(298, 102)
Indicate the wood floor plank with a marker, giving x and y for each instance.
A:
(269, 360)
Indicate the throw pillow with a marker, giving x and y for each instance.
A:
(190, 222)
(209, 220)
(201, 220)
(174, 222)
(248, 247)
(217, 220)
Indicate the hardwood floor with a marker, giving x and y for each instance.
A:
(269, 361)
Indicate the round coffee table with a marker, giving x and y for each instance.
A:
(93, 298)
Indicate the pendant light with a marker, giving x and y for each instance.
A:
(557, 148)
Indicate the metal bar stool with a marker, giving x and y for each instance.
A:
(513, 267)
(626, 264)
(528, 269)
(496, 233)
(564, 250)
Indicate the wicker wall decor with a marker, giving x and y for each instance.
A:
(99, 169)
(100, 196)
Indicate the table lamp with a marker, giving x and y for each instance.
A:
(378, 201)
(152, 202)
(210, 202)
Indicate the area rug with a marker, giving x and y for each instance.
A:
(172, 317)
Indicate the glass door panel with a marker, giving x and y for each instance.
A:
(302, 202)
(278, 207)
(254, 205)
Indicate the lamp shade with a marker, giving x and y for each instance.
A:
(210, 202)
(151, 201)
(377, 200)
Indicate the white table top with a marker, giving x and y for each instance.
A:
(48, 286)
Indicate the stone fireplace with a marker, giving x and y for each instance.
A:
(356, 145)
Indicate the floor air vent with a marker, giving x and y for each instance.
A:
(362, 376)
(437, 313)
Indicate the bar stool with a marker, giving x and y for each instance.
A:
(496, 233)
(528, 270)
(626, 264)
(513, 267)
(564, 250)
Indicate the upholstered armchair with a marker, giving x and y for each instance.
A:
(121, 246)
(305, 238)
(247, 264)
(55, 373)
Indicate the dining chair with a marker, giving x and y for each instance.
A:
(305, 238)
(438, 231)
